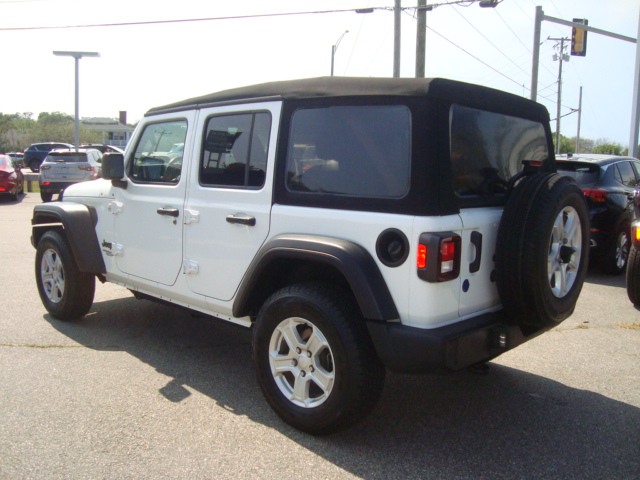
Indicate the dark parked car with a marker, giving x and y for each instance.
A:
(608, 183)
(11, 178)
(36, 153)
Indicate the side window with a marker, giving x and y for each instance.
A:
(488, 148)
(625, 174)
(234, 151)
(350, 150)
(153, 160)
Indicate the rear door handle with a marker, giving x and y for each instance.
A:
(242, 220)
(476, 240)
(170, 212)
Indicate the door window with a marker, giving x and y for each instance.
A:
(234, 153)
(153, 159)
(625, 175)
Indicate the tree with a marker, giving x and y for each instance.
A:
(608, 147)
(566, 145)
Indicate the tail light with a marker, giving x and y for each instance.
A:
(635, 232)
(88, 168)
(598, 196)
(439, 256)
(45, 167)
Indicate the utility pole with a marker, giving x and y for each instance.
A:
(579, 119)
(561, 56)
(397, 11)
(421, 38)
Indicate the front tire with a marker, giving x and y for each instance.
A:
(65, 291)
(314, 359)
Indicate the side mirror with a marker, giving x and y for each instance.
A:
(113, 166)
(113, 169)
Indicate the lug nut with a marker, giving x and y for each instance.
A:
(311, 369)
(303, 373)
(294, 363)
(308, 354)
(298, 350)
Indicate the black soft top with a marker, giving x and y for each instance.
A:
(325, 87)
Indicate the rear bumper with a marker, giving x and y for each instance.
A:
(55, 187)
(453, 347)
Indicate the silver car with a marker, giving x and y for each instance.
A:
(64, 167)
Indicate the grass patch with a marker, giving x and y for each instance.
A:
(629, 326)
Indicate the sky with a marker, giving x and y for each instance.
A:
(147, 65)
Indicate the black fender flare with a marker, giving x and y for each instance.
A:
(352, 260)
(78, 223)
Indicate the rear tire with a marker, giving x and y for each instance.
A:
(65, 291)
(542, 250)
(46, 196)
(615, 258)
(314, 359)
(34, 165)
(633, 276)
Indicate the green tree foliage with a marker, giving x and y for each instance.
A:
(608, 147)
(566, 144)
(49, 127)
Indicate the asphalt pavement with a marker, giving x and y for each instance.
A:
(145, 391)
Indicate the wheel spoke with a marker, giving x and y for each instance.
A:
(301, 390)
(323, 379)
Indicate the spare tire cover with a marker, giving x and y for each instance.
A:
(542, 250)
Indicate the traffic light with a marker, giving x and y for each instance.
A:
(579, 38)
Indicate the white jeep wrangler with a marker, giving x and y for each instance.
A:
(355, 224)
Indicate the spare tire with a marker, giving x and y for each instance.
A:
(542, 250)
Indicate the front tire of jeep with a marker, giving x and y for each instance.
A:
(542, 250)
(65, 291)
(314, 359)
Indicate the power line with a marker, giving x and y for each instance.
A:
(494, 46)
(154, 22)
(476, 58)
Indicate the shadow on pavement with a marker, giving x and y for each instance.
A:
(508, 424)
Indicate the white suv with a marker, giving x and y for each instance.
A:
(354, 224)
(64, 167)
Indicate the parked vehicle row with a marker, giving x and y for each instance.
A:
(37, 152)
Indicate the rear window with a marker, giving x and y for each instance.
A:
(350, 150)
(583, 173)
(487, 149)
(67, 157)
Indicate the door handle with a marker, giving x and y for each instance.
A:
(170, 212)
(476, 240)
(242, 220)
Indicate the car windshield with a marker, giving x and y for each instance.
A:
(68, 157)
(583, 173)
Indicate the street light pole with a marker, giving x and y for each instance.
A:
(334, 48)
(77, 56)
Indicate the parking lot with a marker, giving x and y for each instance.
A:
(141, 390)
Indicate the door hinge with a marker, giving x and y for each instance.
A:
(189, 266)
(115, 207)
(191, 216)
(112, 249)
